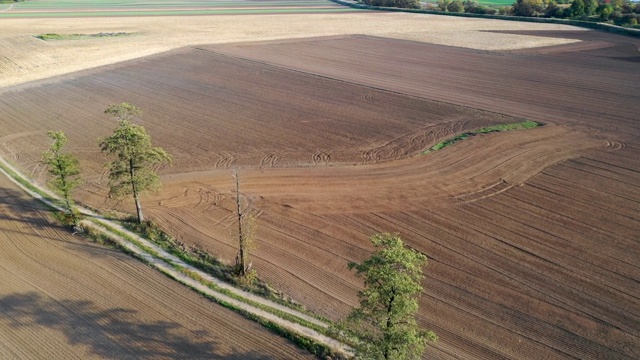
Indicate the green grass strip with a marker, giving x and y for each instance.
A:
(52, 36)
(489, 129)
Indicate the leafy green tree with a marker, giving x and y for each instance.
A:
(384, 325)
(133, 169)
(64, 169)
(456, 6)
(590, 7)
(553, 10)
(407, 4)
(443, 4)
(528, 7)
(577, 8)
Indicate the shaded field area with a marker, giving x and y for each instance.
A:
(78, 8)
(532, 236)
(63, 297)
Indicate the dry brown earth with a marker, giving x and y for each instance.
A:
(64, 298)
(25, 58)
(532, 236)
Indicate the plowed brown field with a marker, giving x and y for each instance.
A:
(64, 298)
(533, 236)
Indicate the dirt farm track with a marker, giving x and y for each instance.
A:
(533, 237)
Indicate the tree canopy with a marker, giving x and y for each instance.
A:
(64, 168)
(384, 326)
(134, 168)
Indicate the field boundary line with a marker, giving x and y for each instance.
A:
(167, 264)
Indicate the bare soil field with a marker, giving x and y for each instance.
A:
(25, 58)
(532, 235)
(62, 297)
(592, 83)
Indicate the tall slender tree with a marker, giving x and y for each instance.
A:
(384, 326)
(246, 229)
(64, 169)
(133, 169)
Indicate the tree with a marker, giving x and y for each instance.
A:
(384, 325)
(553, 10)
(246, 232)
(471, 6)
(64, 169)
(528, 7)
(456, 6)
(590, 7)
(407, 4)
(443, 4)
(133, 169)
(577, 8)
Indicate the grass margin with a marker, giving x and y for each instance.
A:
(529, 124)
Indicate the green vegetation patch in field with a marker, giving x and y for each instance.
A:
(53, 36)
(489, 129)
(496, 2)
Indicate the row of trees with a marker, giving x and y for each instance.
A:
(132, 170)
(619, 12)
(383, 327)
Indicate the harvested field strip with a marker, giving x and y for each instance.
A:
(163, 8)
(78, 4)
(122, 13)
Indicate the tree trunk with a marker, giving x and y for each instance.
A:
(135, 192)
(240, 263)
(389, 324)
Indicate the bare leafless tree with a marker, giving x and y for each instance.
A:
(246, 217)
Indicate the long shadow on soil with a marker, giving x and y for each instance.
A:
(36, 218)
(15, 205)
(112, 333)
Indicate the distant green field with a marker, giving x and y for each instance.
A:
(85, 8)
(496, 2)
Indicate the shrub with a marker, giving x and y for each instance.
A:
(471, 6)
(528, 8)
(456, 6)
(443, 4)
(406, 4)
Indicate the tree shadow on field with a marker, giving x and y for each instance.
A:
(23, 215)
(17, 206)
(112, 333)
